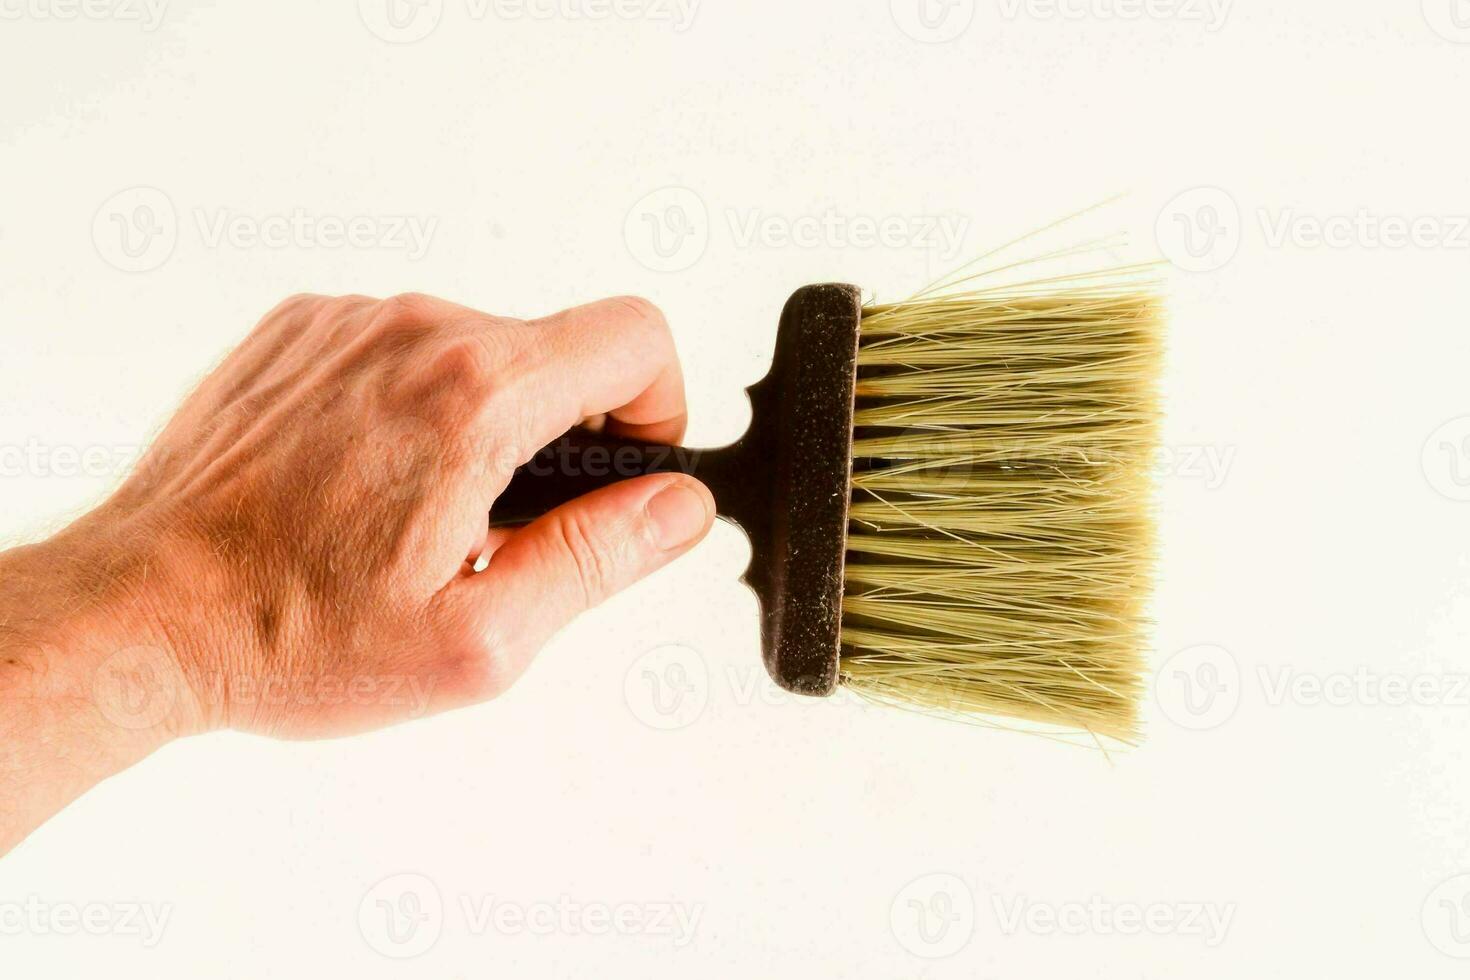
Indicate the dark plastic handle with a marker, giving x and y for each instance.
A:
(786, 482)
(583, 461)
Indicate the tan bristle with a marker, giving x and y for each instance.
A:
(1001, 545)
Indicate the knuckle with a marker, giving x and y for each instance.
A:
(343, 305)
(294, 306)
(643, 311)
(411, 300)
(335, 312)
(299, 301)
(466, 364)
(403, 316)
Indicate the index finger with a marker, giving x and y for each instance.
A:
(614, 357)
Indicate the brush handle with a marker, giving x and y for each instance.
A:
(786, 482)
(582, 461)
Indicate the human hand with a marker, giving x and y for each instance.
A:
(296, 553)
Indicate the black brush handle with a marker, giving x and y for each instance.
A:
(786, 482)
(582, 461)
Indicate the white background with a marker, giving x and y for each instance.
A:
(1314, 526)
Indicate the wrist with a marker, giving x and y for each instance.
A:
(89, 684)
(82, 645)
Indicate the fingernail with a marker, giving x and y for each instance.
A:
(678, 515)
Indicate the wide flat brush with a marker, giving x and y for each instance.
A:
(947, 498)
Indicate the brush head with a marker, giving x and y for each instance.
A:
(1000, 543)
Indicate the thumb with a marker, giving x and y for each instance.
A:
(574, 557)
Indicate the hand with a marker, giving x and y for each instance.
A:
(296, 554)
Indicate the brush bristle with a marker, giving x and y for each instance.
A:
(1000, 548)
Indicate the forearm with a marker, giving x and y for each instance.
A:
(87, 686)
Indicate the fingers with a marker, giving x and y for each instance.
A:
(572, 559)
(614, 357)
(472, 395)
